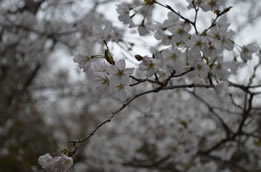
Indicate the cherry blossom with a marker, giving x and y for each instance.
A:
(221, 33)
(180, 32)
(124, 16)
(143, 30)
(198, 42)
(202, 69)
(174, 59)
(171, 21)
(247, 52)
(149, 65)
(103, 80)
(121, 88)
(119, 71)
(85, 62)
(61, 163)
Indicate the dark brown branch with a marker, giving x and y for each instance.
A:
(251, 79)
(193, 23)
(155, 90)
(252, 135)
(225, 162)
(218, 15)
(234, 103)
(75, 142)
(139, 80)
(172, 75)
(184, 73)
(161, 88)
(142, 164)
(246, 112)
(218, 144)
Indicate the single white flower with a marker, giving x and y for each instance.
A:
(247, 52)
(180, 32)
(227, 40)
(101, 66)
(149, 65)
(202, 70)
(143, 30)
(197, 41)
(102, 32)
(102, 81)
(124, 14)
(84, 61)
(44, 160)
(213, 48)
(220, 70)
(160, 35)
(120, 89)
(173, 58)
(119, 71)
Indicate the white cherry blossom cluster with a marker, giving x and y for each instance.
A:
(61, 163)
(113, 79)
(109, 77)
(188, 48)
(128, 11)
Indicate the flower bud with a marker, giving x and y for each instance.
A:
(138, 57)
